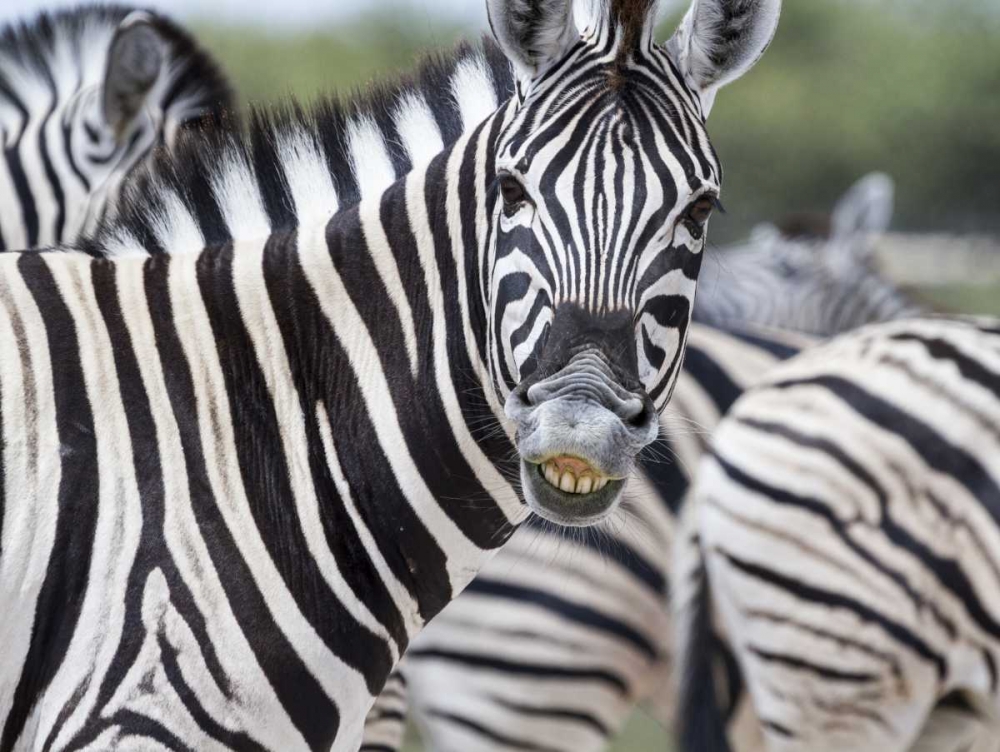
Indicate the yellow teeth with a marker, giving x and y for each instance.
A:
(580, 479)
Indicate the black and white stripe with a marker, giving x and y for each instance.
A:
(85, 96)
(559, 637)
(239, 476)
(847, 523)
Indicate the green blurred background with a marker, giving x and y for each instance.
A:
(910, 87)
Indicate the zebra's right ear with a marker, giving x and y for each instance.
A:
(533, 33)
(720, 40)
(135, 59)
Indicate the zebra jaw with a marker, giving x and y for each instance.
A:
(572, 475)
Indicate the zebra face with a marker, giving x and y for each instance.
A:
(605, 181)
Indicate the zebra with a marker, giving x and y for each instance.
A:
(846, 529)
(557, 640)
(287, 428)
(85, 95)
(788, 274)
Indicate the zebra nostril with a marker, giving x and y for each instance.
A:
(643, 417)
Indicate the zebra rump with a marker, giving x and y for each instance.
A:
(847, 524)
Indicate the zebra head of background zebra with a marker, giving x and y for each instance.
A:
(814, 273)
(606, 180)
(86, 94)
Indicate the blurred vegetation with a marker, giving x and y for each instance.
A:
(968, 298)
(912, 88)
(642, 734)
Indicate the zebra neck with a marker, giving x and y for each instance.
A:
(347, 354)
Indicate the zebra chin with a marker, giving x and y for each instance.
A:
(568, 508)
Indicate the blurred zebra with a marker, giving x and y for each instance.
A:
(251, 449)
(786, 276)
(847, 536)
(85, 95)
(557, 640)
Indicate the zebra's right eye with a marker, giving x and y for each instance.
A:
(512, 191)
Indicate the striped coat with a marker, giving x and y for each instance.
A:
(847, 526)
(79, 113)
(226, 518)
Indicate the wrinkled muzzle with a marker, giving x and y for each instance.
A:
(580, 429)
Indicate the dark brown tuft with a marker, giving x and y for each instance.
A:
(805, 226)
(632, 16)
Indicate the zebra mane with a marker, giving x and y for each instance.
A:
(635, 17)
(72, 44)
(338, 150)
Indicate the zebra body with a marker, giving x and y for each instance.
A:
(226, 517)
(85, 96)
(550, 613)
(847, 522)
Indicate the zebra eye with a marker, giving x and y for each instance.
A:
(697, 215)
(512, 191)
(699, 212)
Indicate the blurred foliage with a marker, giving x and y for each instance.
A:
(968, 298)
(266, 66)
(641, 734)
(912, 88)
(851, 87)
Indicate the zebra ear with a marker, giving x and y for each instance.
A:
(865, 208)
(135, 59)
(533, 33)
(720, 40)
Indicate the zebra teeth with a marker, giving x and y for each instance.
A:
(576, 478)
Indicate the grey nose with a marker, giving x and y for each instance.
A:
(588, 378)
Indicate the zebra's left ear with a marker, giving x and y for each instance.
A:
(533, 33)
(720, 40)
(135, 59)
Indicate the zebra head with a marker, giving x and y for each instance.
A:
(815, 274)
(85, 95)
(606, 180)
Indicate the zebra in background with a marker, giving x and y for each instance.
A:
(847, 526)
(786, 275)
(556, 640)
(85, 96)
(286, 429)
